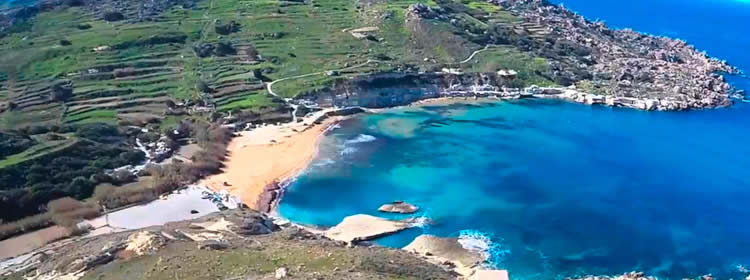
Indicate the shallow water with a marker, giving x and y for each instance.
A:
(566, 188)
(562, 189)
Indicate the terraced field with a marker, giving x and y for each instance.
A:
(68, 66)
(45, 146)
(128, 70)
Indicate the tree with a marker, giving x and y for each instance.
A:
(62, 91)
(202, 86)
(113, 16)
(123, 176)
(226, 29)
(225, 48)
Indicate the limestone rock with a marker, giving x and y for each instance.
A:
(399, 207)
(446, 250)
(490, 275)
(213, 245)
(281, 273)
(256, 223)
(365, 227)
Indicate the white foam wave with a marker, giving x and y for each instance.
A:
(477, 241)
(362, 138)
(324, 162)
(348, 150)
(421, 222)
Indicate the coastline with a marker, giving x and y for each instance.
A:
(263, 158)
(256, 173)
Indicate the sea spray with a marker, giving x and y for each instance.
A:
(323, 162)
(348, 150)
(482, 242)
(362, 138)
(348, 146)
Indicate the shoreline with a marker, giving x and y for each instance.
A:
(261, 160)
(260, 184)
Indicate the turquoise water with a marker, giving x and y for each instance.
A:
(561, 189)
(568, 189)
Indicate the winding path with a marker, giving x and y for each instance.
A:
(269, 86)
(475, 53)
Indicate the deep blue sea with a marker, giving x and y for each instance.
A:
(561, 189)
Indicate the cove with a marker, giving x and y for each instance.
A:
(560, 189)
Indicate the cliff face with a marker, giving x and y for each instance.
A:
(601, 65)
(235, 244)
(625, 63)
(628, 63)
(396, 89)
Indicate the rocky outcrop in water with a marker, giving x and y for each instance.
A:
(398, 207)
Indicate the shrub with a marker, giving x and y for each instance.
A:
(67, 211)
(24, 225)
(113, 16)
(202, 86)
(63, 205)
(122, 176)
(228, 28)
(74, 3)
(225, 48)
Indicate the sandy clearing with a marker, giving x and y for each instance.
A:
(24, 243)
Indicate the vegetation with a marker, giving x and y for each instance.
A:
(66, 212)
(70, 74)
(70, 167)
(12, 144)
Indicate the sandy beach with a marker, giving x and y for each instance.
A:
(270, 153)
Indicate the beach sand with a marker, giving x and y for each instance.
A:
(271, 153)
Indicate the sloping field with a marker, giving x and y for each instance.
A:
(222, 52)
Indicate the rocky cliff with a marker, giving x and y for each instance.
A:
(590, 63)
(236, 244)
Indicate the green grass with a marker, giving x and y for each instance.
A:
(104, 116)
(254, 101)
(37, 150)
(484, 6)
(506, 58)
(292, 39)
(169, 123)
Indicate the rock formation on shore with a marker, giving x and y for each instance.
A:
(398, 207)
(365, 227)
(446, 251)
(626, 63)
(235, 244)
(626, 276)
(589, 62)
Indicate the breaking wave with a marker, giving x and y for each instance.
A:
(348, 150)
(477, 241)
(324, 162)
(362, 138)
